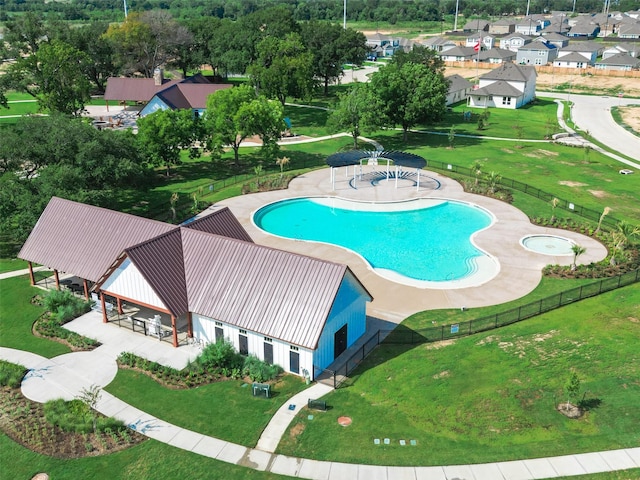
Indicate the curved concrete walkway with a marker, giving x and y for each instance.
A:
(70, 373)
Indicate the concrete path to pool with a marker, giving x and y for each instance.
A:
(520, 270)
(68, 374)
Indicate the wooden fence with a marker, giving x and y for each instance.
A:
(592, 71)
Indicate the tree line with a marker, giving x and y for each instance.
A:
(379, 11)
(62, 65)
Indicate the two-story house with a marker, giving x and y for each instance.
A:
(508, 86)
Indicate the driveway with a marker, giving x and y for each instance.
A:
(593, 114)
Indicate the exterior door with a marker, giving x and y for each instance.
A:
(268, 353)
(219, 334)
(340, 342)
(244, 345)
(294, 362)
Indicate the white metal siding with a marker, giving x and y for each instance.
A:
(204, 329)
(127, 281)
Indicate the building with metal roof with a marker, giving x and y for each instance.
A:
(206, 280)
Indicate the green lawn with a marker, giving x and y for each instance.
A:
(11, 264)
(225, 410)
(490, 397)
(17, 315)
(151, 459)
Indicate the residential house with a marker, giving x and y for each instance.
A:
(531, 25)
(619, 61)
(458, 54)
(160, 93)
(629, 30)
(504, 26)
(497, 55)
(571, 60)
(536, 53)
(459, 88)
(439, 44)
(477, 25)
(556, 39)
(508, 86)
(628, 49)
(514, 41)
(382, 45)
(206, 280)
(584, 29)
(590, 50)
(486, 41)
(634, 14)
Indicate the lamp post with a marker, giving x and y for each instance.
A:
(344, 16)
(455, 21)
(125, 9)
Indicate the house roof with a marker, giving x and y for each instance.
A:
(85, 240)
(590, 47)
(504, 22)
(457, 83)
(538, 46)
(477, 24)
(133, 89)
(517, 35)
(622, 59)
(433, 41)
(554, 37)
(459, 52)
(629, 29)
(510, 72)
(572, 57)
(191, 268)
(500, 88)
(189, 95)
(500, 53)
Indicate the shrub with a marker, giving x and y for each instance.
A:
(72, 416)
(64, 305)
(11, 374)
(221, 355)
(260, 371)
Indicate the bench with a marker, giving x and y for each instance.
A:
(261, 389)
(317, 404)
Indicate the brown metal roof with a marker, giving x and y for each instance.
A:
(85, 240)
(133, 89)
(220, 222)
(160, 261)
(190, 95)
(276, 293)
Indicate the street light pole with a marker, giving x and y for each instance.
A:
(344, 16)
(125, 9)
(455, 22)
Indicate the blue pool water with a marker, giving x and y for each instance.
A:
(430, 243)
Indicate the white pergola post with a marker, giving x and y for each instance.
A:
(418, 175)
(396, 176)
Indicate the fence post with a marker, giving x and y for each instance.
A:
(442, 333)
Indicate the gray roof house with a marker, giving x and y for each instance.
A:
(631, 30)
(572, 60)
(508, 86)
(590, 50)
(536, 53)
(439, 44)
(532, 25)
(503, 26)
(486, 40)
(619, 61)
(556, 39)
(584, 29)
(497, 55)
(514, 41)
(477, 25)
(629, 49)
(207, 280)
(458, 54)
(459, 88)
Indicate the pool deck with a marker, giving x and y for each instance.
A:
(519, 273)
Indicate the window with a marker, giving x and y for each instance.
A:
(580, 65)
(541, 53)
(218, 324)
(538, 61)
(295, 349)
(267, 339)
(244, 332)
(506, 100)
(490, 97)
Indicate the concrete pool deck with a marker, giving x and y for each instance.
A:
(519, 273)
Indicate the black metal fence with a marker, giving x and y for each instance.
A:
(584, 212)
(434, 334)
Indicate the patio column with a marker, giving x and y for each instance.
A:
(175, 331)
(189, 325)
(85, 284)
(119, 303)
(55, 275)
(104, 308)
(32, 279)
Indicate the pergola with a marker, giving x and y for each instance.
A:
(355, 157)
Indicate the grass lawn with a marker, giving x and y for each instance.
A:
(11, 264)
(224, 410)
(17, 315)
(492, 396)
(151, 459)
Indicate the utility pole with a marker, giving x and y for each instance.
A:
(528, 3)
(125, 9)
(455, 22)
(344, 16)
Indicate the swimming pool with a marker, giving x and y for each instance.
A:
(421, 242)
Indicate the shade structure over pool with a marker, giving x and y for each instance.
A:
(355, 157)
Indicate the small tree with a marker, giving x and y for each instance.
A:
(282, 162)
(493, 180)
(258, 170)
(452, 136)
(90, 397)
(476, 166)
(554, 204)
(172, 201)
(577, 251)
(519, 135)
(605, 212)
(572, 388)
